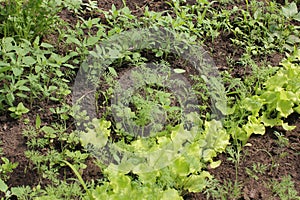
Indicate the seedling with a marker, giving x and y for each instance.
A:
(18, 111)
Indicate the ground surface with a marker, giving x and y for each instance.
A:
(264, 149)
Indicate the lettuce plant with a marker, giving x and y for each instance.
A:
(277, 100)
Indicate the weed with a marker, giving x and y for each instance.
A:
(285, 189)
(48, 145)
(235, 157)
(282, 141)
(18, 111)
(6, 168)
(223, 191)
(257, 168)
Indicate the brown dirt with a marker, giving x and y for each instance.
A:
(13, 146)
(265, 149)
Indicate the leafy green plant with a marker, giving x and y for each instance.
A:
(31, 71)
(235, 155)
(151, 105)
(6, 168)
(79, 177)
(184, 173)
(18, 111)
(277, 100)
(291, 11)
(28, 19)
(122, 186)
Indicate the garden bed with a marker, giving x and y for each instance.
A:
(249, 42)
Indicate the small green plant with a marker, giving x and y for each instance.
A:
(257, 168)
(6, 168)
(79, 178)
(184, 172)
(282, 140)
(18, 111)
(223, 191)
(284, 189)
(60, 145)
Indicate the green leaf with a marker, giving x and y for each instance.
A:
(112, 71)
(3, 186)
(297, 17)
(171, 194)
(254, 126)
(74, 40)
(22, 109)
(196, 183)
(120, 182)
(46, 45)
(159, 53)
(158, 160)
(290, 10)
(179, 71)
(19, 191)
(239, 134)
(208, 155)
(48, 130)
(215, 164)
(10, 98)
(287, 127)
(258, 129)
(22, 95)
(79, 177)
(270, 121)
(297, 109)
(113, 53)
(28, 60)
(24, 88)
(149, 177)
(97, 136)
(292, 39)
(179, 135)
(5, 68)
(38, 122)
(7, 43)
(92, 41)
(285, 107)
(37, 68)
(252, 104)
(181, 167)
(17, 71)
(216, 136)
(221, 106)
(270, 98)
(276, 81)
